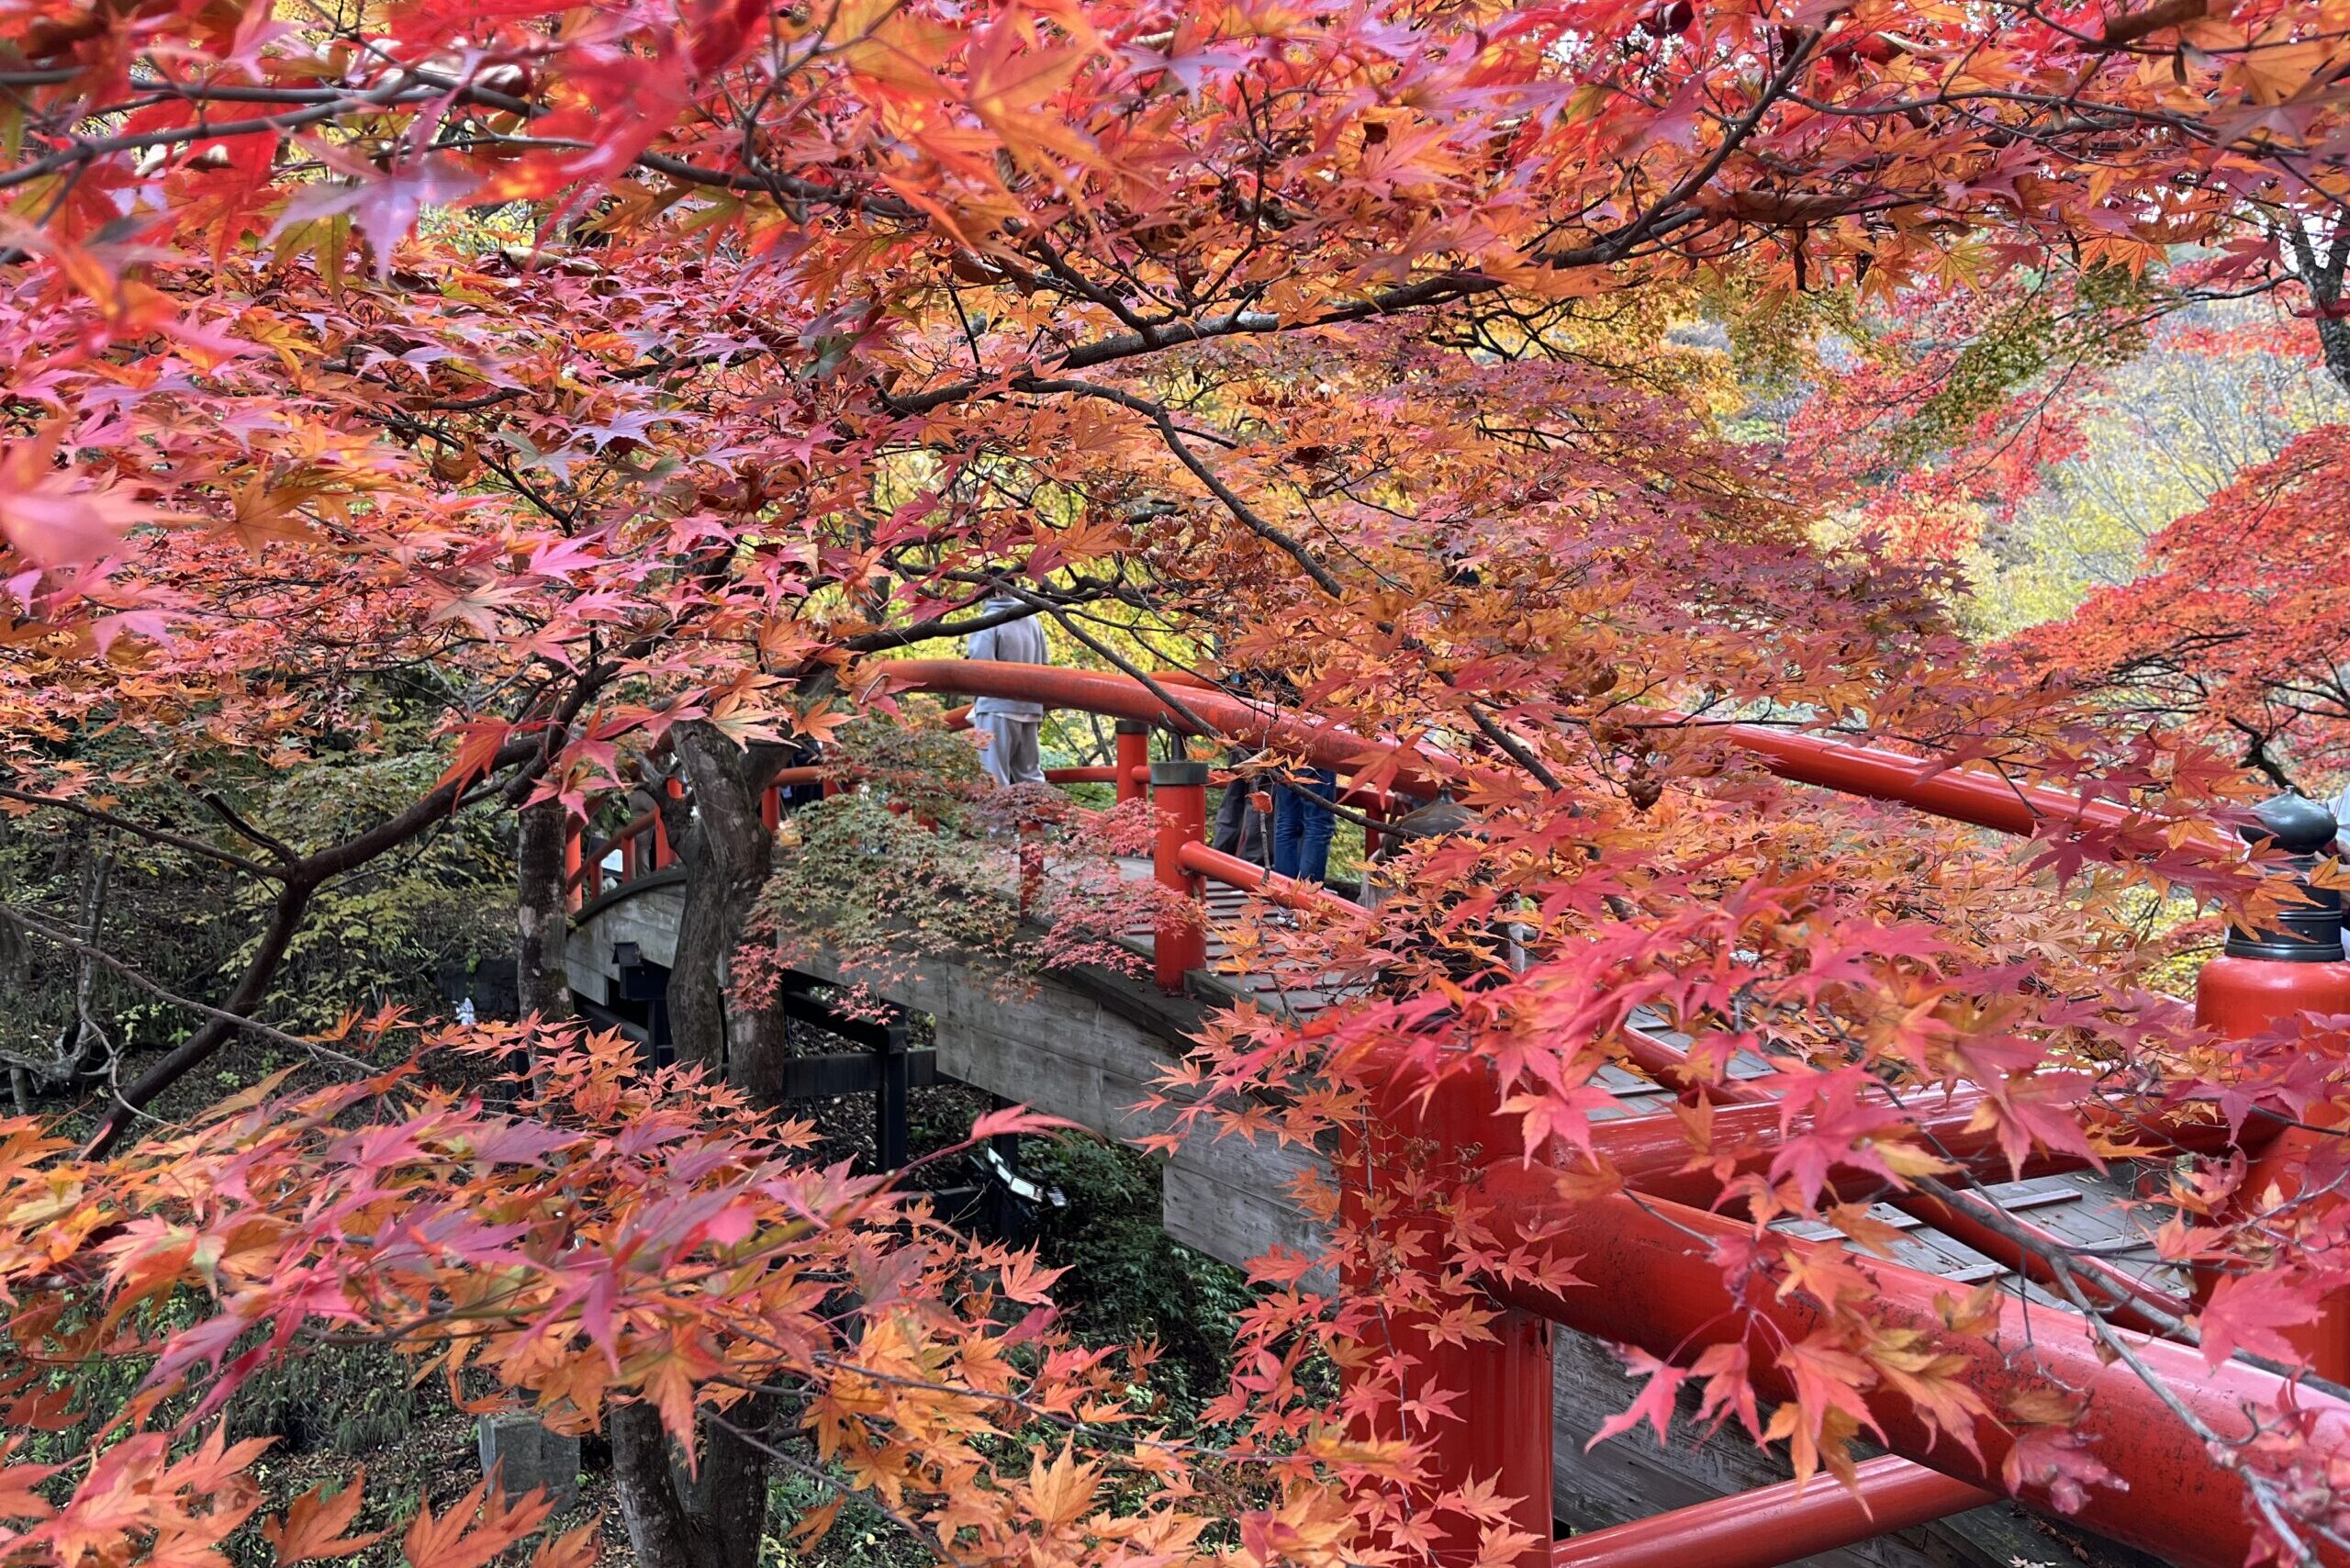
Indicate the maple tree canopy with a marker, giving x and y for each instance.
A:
(621, 384)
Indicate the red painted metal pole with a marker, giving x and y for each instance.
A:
(1772, 1525)
(1112, 696)
(1498, 1433)
(1133, 759)
(1926, 783)
(1654, 1155)
(1179, 791)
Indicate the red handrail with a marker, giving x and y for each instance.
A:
(1772, 1525)
(1115, 696)
(1251, 878)
(1659, 1286)
(1929, 784)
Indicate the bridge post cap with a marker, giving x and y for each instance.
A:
(2307, 932)
(2295, 823)
(1132, 727)
(1179, 775)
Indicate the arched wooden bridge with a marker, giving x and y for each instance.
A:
(1087, 1046)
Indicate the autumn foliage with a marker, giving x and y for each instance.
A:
(609, 387)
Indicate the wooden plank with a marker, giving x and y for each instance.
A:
(851, 1073)
(1232, 1225)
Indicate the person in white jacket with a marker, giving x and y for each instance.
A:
(1012, 755)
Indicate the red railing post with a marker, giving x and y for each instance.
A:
(2263, 978)
(1134, 756)
(572, 828)
(771, 807)
(662, 854)
(1398, 1170)
(1178, 792)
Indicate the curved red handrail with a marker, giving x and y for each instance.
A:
(1121, 697)
(1982, 799)
(1926, 784)
(1251, 878)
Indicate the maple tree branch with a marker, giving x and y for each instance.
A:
(300, 881)
(2159, 1307)
(220, 807)
(833, 1486)
(2224, 1452)
(152, 835)
(2122, 30)
(1697, 179)
(1142, 406)
(286, 917)
(138, 979)
(86, 149)
(1249, 517)
(1516, 750)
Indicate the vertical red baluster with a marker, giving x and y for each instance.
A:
(771, 807)
(1134, 759)
(571, 867)
(662, 854)
(1394, 1173)
(1179, 793)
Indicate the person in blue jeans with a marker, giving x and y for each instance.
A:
(1302, 822)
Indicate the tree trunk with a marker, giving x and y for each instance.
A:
(2321, 261)
(716, 1517)
(713, 1518)
(726, 1499)
(543, 920)
(726, 851)
(659, 1534)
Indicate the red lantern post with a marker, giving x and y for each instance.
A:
(2265, 978)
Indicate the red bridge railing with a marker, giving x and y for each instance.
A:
(1653, 1244)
